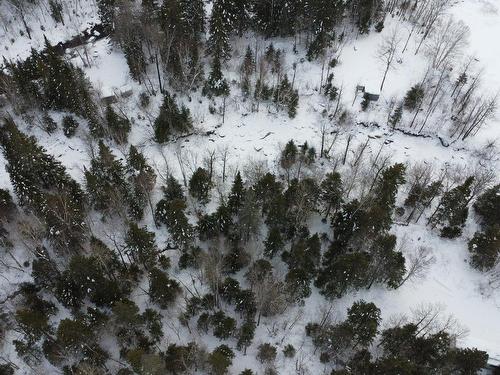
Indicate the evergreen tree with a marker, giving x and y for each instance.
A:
(162, 290)
(142, 179)
(220, 359)
(172, 120)
(414, 97)
(200, 185)
(239, 11)
(106, 13)
(216, 85)
(249, 219)
(342, 274)
(171, 213)
(85, 278)
(387, 266)
(235, 199)
(396, 116)
(246, 69)
(106, 181)
(289, 157)
(183, 23)
(274, 243)
(365, 13)
(221, 24)
(49, 123)
(379, 214)
(56, 11)
(223, 326)
(277, 18)
(245, 335)
(141, 245)
(230, 290)
(286, 96)
(118, 126)
(47, 80)
(364, 319)
(69, 126)
(173, 190)
(303, 260)
(266, 353)
(134, 54)
(331, 193)
(42, 185)
(452, 210)
(485, 248)
(487, 207)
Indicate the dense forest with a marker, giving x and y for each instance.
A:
(146, 257)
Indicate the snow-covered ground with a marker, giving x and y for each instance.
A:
(451, 282)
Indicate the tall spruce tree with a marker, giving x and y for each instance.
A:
(216, 84)
(171, 120)
(107, 186)
(221, 25)
(453, 209)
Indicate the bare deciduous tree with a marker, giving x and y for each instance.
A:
(387, 52)
(433, 13)
(418, 264)
(447, 42)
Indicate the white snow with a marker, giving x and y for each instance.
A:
(451, 281)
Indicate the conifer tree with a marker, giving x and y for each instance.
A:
(331, 193)
(216, 84)
(395, 118)
(183, 23)
(246, 69)
(387, 266)
(343, 273)
(42, 185)
(59, 85)
(171, 213)
(414, 97)
(106, 13)
(235, 198)
(49, 123)
(289, 157)
(107, 185)
(384, 192)
(274, 243)
(118, 126)
(142, 179)
(245, 335)
(302, 260)
(200, 185)
(69, 126)
(277, 18)
(172, 120)
(452, 211)
(220, 359)
(487, 207)
(221, 24)
(364, 319)
(162, 290)
(141, 245)
(239, 11)
(485, 248)
(134, 54)
(286, 96)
